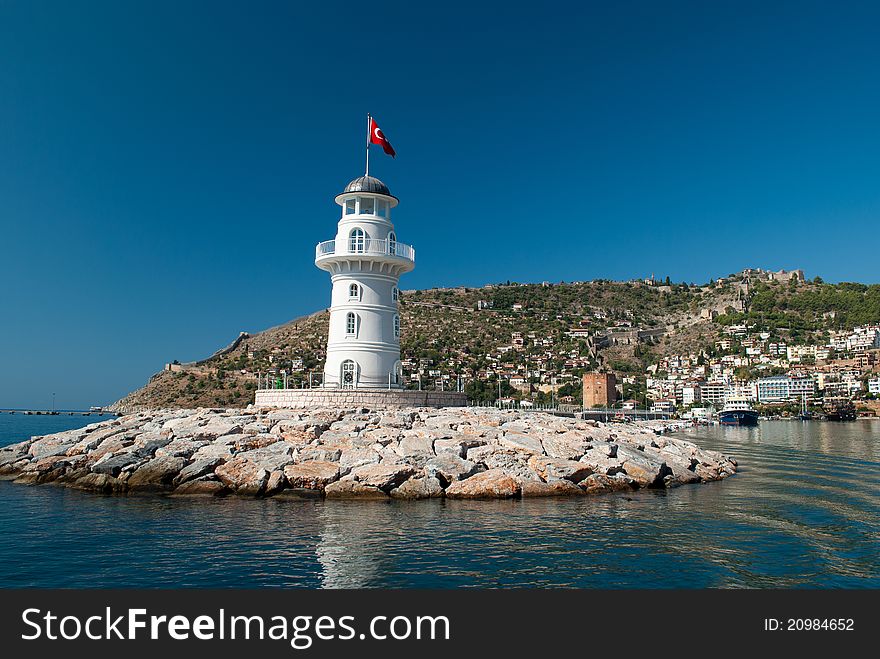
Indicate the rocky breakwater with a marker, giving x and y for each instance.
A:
(407, 454)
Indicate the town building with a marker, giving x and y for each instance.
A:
(599, 389)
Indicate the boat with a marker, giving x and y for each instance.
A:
(96, 408)
(805, 414)
(839, 409)
(738, 412)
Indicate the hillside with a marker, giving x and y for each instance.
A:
(525, 331)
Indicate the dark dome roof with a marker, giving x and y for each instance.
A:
(367, 184)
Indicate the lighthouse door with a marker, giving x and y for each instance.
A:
(349, 374)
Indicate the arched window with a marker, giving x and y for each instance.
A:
(398, 373)
(392, 243)
(350, 324)
(396, 326)
(356, 240)
(395, 294)
(354, 292)
(348, 374)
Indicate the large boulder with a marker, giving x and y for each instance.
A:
(600, 483)
(204, 486)
(103, 483)
(557, 468)
(641, 468)
(351, 458)
(384, 476)
(157, 473)
(349, 488)
(415, 445)
(566, 446)
(114, 464)
(272, 457)
(314, 475)
(418, 488)
(598, 461)
(492, 484)
(448, 467)
(197, 469)
(521, 441)
(552, 488)
(57, 444)
(185, 448)
(242, 476)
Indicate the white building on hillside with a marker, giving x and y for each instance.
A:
(365, 262)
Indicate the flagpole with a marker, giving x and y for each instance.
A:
(368, 145)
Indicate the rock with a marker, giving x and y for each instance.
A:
(183, 448)
(384, 476)
(275, 483)
(352, 489)
(57, 444)
(91, 441)
(149, 442)
(314, 475)
(357, 457)
(418, 488)
(566, 446)
(103, 483)
(114, 445)
(494, 484)
(600, 483)
(444, 421)
(519, 441)
(552, 488)
(556, 468)
(244, 442)
(600, 463)
(641, 468)
(207, 452)
(242, 476)
(458, 445)
(415, 446)
(272, 457)
(211, 430)
(205, 486)
(448, 467)
(114, 464)
(197, 469)
(158, 472)
(513, 464)
(320, 454)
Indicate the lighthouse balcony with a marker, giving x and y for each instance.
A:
(369, 247)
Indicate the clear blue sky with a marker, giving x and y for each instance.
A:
(166, 168)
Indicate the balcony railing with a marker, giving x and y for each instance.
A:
(368, 247)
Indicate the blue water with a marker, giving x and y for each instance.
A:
(804, 511)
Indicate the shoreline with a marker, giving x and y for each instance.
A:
(413, 453)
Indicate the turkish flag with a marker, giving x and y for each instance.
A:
(378, 137)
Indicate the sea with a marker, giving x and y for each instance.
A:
(802, 512)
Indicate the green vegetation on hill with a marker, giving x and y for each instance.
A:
(808, 310)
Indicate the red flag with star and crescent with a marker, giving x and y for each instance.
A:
(378, 137)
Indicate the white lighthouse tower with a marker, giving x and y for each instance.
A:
(365, 262)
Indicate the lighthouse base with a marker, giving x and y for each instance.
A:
(347, 398)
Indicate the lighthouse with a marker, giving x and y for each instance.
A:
(365, 261)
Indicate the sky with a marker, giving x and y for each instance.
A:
(167, 167)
